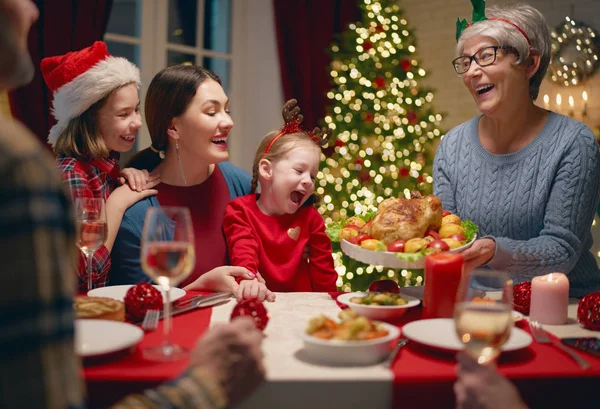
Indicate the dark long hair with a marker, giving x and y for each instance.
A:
(169, 95)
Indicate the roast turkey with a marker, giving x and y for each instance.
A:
(399, 218)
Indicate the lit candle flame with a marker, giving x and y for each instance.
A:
(558, 99)
(584, 96)
(571, 101)
(547, 99)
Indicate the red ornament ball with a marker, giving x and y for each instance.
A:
(369, 117)
(522, 297)
(141, 298)
(339, 143)
(364, 176)
(412, 118)
(384, 286)
(379, 82)
(404, 172)
(254, 309)
(588, 311)
(405, 65)
(367, 45)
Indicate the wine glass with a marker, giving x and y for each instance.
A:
(168, 257)
(90, 216)
(483, 324)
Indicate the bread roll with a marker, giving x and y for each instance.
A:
(99, 308)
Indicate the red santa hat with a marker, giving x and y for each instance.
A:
(81, 78)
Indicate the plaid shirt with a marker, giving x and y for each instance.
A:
(38, 365)
(96, 178)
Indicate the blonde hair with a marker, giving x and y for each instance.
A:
(281, 147)
(81, 138)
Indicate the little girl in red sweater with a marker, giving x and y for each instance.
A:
(268, 233)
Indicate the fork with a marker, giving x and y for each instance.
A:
(388, 363)
(540, 336)
(150, 322)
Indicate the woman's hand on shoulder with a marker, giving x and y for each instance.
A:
(139, 180)
(479, 253)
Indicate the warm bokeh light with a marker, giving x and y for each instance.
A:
(383, 124)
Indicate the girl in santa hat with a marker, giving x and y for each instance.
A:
(96, 106)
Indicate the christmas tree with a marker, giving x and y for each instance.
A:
(384, 126)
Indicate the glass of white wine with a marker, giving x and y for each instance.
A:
(484, 324)
(167, 257)
(90, 217)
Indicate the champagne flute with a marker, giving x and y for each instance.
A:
(484, 324)
(168, 257)
(90, 216)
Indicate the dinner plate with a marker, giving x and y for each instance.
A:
(440, 333)
(101, 337)
(118, 292)
(387, 258)
(378, 312)
(517, 316)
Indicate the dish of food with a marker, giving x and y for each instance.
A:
(390, 259)
(380, 299)
(354, 340)
(350, 328)
(402, 232)
(388, 312)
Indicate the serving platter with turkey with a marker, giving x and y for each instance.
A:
(404, 231)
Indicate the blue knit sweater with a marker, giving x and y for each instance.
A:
(537, 204)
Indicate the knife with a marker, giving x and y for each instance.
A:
(390, 361)
(197, 302)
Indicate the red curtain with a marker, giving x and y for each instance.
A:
(305, 32)
(63, 26)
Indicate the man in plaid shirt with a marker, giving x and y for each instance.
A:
(38, 365)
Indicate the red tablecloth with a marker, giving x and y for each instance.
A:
(546, 376)
(113, 377)
(423, 377)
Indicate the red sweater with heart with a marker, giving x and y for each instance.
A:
(274, 246)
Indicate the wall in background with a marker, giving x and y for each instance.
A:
(434, 25)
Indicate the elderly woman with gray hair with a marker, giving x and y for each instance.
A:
(528, 177)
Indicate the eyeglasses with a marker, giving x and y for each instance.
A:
(484, 57)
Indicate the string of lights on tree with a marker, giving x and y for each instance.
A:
(384, 125)
(575, 51)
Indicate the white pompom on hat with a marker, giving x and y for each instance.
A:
(79, 79)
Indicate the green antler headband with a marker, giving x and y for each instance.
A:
(478, 15)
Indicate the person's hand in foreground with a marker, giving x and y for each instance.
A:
(482, 387)
(232, 354)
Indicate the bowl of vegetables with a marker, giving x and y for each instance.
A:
(378, 306)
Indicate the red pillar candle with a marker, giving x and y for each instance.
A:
(443, 272)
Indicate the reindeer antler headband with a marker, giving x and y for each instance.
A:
(479, 15)
(293, 118)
